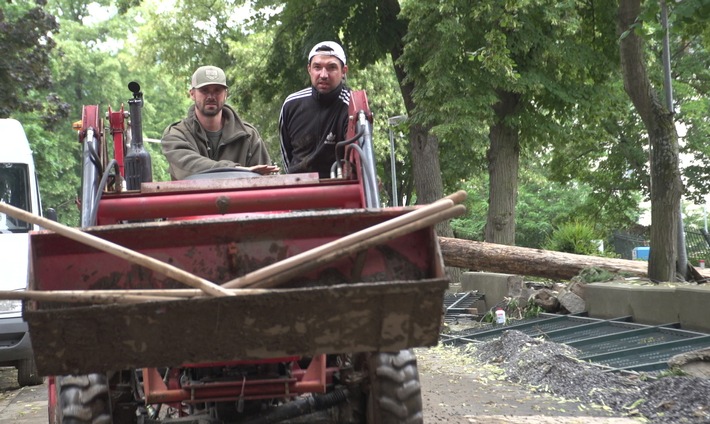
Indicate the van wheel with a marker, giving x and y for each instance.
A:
(83, 399)
(27, 373)
(395, 391)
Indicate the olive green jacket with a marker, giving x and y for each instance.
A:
(187, 148)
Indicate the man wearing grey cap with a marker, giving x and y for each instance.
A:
(212, 135)
(314, 119)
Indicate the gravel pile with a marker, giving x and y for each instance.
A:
(554, 368)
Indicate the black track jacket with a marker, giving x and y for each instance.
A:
(309, 125)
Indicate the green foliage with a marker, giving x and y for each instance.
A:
(93, 68)
(545, 51)
(191, 34)
(691, 16)
(525, 74)
(489, 316)
(594, 275)
(574, 237)
(55, 167)
(469, 228)
(513, 310)
(385, 100)
(542, 204)
(672, 372)
(691, 89)
(471, 225)
(26, 30)
(532, 310)
(575, 120)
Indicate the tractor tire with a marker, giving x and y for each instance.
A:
(27, 373)
(395, 391)
(83, 399)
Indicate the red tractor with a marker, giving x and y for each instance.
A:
(319, 313)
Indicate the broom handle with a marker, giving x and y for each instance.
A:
(271, 275)
(113, 296)
(303, 267)
(314, 254)
(130, 255)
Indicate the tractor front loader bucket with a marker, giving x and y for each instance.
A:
(386, 298)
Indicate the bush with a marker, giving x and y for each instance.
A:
(574, 237)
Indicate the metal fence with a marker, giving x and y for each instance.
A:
(697, 242)
(624, 244)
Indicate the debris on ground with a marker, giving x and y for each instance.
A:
(554, 368)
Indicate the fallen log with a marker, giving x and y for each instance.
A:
(490, 257)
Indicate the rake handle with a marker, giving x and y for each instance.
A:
(130, 255)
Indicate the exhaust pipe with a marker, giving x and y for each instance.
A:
(137, 163)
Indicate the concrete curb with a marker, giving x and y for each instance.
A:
(687, 304)
(651, 304)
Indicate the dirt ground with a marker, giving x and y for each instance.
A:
(514, 379)
(458, 389)
(27, 405)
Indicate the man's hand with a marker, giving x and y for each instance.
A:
(264, 169)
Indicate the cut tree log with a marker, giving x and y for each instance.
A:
(490, 257)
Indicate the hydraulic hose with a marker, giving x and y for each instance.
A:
(100, 190)
(371, 194)
(343, 144)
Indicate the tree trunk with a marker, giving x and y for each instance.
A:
(666, 186)
(426, 169)
(424, 147)
(489, 257)
(503, 163)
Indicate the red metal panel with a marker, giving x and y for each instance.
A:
(148, 207)
(221, 250)
(313, 380)
(117, 127)
(358, 102)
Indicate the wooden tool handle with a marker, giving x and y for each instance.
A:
(350, 240)
(113, 296)
(302, 267)
(117, 250)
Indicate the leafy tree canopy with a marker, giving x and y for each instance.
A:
(27, 40)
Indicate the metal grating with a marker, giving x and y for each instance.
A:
(618, 343)
(457, 305)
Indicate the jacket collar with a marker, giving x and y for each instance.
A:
(232, 125)
(327, 98)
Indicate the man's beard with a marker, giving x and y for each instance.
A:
(210, 112)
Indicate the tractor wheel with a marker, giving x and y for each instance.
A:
(27, 373)
(395, 395)
(83, 399)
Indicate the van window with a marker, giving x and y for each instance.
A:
(15, 191)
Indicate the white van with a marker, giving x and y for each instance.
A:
(19, 188)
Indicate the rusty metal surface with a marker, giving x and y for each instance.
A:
(346, 318)
(386, 298)
(223, 249)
